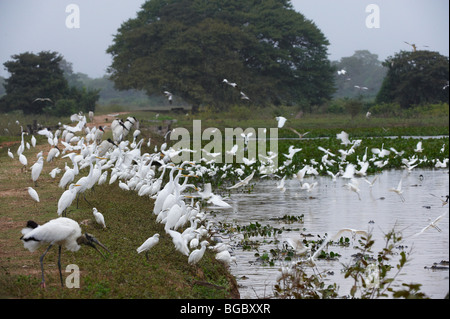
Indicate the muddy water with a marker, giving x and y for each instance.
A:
(330, 207)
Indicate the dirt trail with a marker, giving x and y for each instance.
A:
(105, 120)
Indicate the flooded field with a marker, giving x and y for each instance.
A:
(330, 207)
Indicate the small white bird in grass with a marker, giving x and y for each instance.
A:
(36, 170)
(99, 218)
(398, 190)
(61, 231)
(432, 224)
(281, 121)
(179, 242)
(66, 199)
(23, 160)
(148, 244)
(34, 195)
(124, 186)
(10, 154)
(196, 255)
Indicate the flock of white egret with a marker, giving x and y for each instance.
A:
(174, 207)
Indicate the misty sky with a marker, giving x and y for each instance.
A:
(37, 25)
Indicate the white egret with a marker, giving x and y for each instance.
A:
(281, 121)
(292, 151)
(300, 135)
(432, 224)
(34, 195)
(380, 152)
(10, 154)
(225, 257)
(36, 170)
(343, 136)
(179, 242)
(66, 199)
(243, 182)
(353, 186)
(419, 148)
(196, 255)
(297, 245)
(148, 244)
(61, 231)
(398, 190)
(99, 218)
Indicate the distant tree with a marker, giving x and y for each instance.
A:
(188, 47)
(415, 78)
(363, 69)
(34, 76)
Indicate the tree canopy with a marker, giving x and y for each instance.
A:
(415, 78)
(362, 69)
(188, 47)
(37, 84)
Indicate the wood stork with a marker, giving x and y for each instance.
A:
(61, 231)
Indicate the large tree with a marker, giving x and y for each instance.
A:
(415, 78)
(41, 75)
(33, 76)
(188, 47)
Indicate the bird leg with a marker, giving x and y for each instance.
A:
(59, 265)
(41, 260)
(86, 200)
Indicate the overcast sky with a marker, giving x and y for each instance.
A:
(37, 25)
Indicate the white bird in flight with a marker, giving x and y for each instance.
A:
(281, 120)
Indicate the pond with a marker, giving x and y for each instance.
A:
(330, 207)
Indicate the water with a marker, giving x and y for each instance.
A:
(330, 207)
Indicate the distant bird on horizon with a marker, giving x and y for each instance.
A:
(230, 83)
(169, 96)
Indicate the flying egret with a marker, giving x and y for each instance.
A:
(380, 152)
(61, 231)
(292, 151)
(148, 244)
(232, 84)
(432, 224)
(444, 202)
(281, 121)
(281, 186)
(243, 182)
(353, 186)
(297, 245)
(99, 218)
(343, 136)
(300, 135)
(398, 190)
(419, 148)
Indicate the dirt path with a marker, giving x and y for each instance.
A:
(105, 120)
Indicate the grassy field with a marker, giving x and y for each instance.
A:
(124, 273)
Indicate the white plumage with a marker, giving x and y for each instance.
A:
(99, 218)
(148, 244)
(34, 195)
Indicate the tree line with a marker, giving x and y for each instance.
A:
(221, 53)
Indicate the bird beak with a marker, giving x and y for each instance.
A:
(92, 241)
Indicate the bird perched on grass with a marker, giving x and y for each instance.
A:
(98, 217)
(34, 195)
(61, 231)
(148, 244)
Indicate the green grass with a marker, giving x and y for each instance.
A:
(124, 273)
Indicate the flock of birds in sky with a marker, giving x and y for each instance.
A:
(120, 159)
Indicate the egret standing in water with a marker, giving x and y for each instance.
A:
(61, 231)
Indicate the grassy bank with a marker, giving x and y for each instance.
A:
(124, 273)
